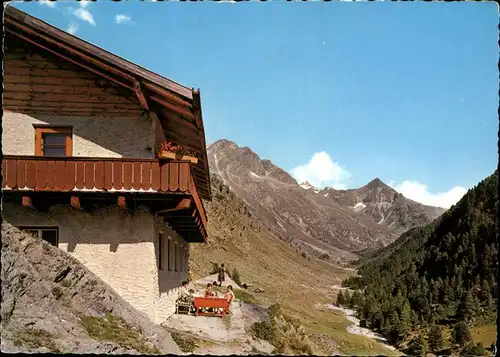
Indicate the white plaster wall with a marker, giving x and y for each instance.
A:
(116, 245)
(92, 136)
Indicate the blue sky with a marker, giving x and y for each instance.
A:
(335, 93)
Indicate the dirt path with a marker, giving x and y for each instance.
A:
(355, 329)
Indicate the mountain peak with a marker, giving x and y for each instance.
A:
(376, 182)
(224, 143)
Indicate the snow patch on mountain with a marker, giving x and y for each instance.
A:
(307, 186)
(359, 206)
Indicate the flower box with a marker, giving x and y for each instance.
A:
(177, 156)
(170, 150)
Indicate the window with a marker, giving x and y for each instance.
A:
(176, 256)
(161, 253)
(49, 234)
(53, 141)
(181, 257)
(171, 255)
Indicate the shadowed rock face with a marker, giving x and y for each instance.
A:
(321, 222)
(46, 294)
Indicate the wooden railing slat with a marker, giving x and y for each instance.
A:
(80, 175)
(118, 175)
(108, 175)
(173, 176)
(164, 177)
(60, 175)
(41, 175)
(31, 174)
(127, 175)
(12, 173)
(184, 175)
(21, 173)
(145, 175)
(4, 173)
(89, 182)
(155, 176)
(70, 176)
(51, 175)
(99, 175)
(136, 183)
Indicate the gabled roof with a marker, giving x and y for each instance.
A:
(178, 107)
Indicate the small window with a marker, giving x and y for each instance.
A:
(53, 141)
(48, 234)
(171, 255)
(176, 256)
(161, 253)
(181, 257)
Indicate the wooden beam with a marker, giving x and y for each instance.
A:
(75, 202)
(122, 202)
(139, 92)
(159, 133)
(174, 108)
(173, 98)
(27, 202)
(70, 60)
(185, 203)
(199, 122)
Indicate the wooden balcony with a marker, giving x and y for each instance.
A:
(168, 188)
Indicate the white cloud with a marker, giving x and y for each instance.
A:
(72, 28)
(321, 171)
(419, 192)
(121, 18)
(84, 15)
(84, 3)
(47, 3)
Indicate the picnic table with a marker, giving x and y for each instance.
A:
(219, 306)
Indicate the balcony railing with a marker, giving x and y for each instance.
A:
(77, 174)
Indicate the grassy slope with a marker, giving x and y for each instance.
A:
(239, 241)
(486, 334)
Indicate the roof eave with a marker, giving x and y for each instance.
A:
(199, 121)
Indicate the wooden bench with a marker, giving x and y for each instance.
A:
(183, 307)
(211, 303)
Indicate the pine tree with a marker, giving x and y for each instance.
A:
(356, 299)
(340, 299)
(347, 299)
(406, 317)
(461, 334)
(378, 321)
(418, 346)
(465, 308)
(436, 338)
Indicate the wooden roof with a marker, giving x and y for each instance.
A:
(178, 107)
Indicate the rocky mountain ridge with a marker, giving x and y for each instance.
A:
(53, 303)
(384, 205)
(329, 223)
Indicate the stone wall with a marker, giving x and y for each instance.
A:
(119, 246)
(92, 136)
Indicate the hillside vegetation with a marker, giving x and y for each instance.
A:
(436, 280)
